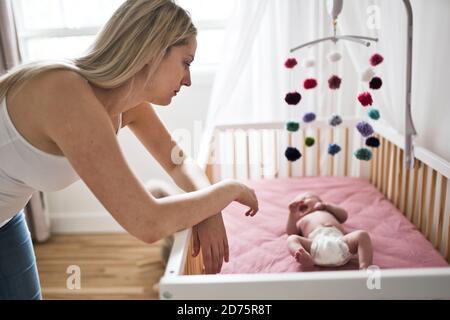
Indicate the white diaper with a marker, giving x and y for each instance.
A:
(328, 248)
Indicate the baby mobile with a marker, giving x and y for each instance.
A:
(368, 76)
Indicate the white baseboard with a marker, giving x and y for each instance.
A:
(83, 222)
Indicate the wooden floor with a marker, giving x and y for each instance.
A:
(112, 266)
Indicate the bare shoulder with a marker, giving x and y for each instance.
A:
(68, 95)
(64, 84)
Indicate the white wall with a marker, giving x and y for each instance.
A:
(75, 209)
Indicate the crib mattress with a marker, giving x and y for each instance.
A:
(258, 244)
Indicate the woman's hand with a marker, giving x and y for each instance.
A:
(211, 237)
(247, 197)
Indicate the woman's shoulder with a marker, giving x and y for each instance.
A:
(62, 82)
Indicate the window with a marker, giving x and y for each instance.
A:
(52, 29)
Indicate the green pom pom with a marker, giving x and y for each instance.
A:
(292, 126)
(374, 114)
(363, 154)
(309, 141)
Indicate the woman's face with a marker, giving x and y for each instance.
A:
(172, 74)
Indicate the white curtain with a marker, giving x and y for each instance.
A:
(252, 82)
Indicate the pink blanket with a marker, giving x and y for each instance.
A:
(258, 244)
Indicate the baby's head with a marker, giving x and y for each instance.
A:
(309, 196)
(307, 200)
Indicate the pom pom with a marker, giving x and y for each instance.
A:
(310, 83)
(310, 62)
(309, 117)
(290, 63)
(373, 142)
(292, 126)
(364, 128)
(334, 82)
(309, 141)
(376, 59)
(334, 56)
(365, 99)
(333, 149)
(367, 74)
(292, 154)
(363, 154)
(374, 114)
(375, 83)
(293, 98)
(335, 120)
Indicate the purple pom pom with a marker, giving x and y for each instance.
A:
(364, 128)
(309, 117)
(335, 120)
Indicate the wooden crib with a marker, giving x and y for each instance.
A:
(256, 151)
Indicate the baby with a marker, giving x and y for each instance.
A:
(316, 236)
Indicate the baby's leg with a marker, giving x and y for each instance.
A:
(359, 242)
(299, 248)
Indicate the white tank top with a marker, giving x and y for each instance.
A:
(25, 169)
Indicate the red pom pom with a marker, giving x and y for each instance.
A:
(290, 63)
(334, 82)
(365, 99)
(310, 83)
(376, 59)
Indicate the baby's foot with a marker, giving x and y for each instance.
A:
(304, 258)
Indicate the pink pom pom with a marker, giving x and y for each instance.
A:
(290, 63)
(310, 83)
(376, 59)
(365, 99)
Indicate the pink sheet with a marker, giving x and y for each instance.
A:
(258, 244)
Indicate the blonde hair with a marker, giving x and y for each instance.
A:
(140, 32)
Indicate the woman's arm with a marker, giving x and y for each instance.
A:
(209, 236)
(80, 126)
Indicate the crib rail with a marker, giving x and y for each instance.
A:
(256, 151)
(421, 193)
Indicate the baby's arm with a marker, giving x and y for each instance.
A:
(340, 213)
(291, 226)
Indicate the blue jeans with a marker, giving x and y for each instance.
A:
(19, 279)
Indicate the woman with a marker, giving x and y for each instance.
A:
(58, 123)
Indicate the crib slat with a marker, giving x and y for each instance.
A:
(331, 159)
(346, 133)
(431, 206)
(381, 164)
(388, 169)
(423, 197)
(233, 144)
(318, 153)
(394, 173)
(399, 189)
(440, 225)
(247, 152)
(261, 151)
(415, 177)
(303, 163)
(406, 193)
(275, 154)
